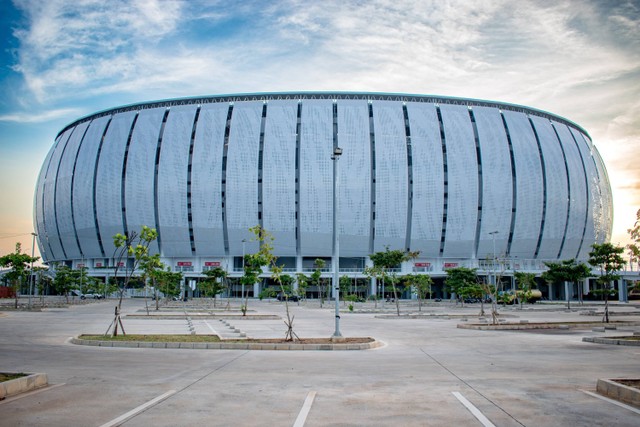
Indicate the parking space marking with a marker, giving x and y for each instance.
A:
(474, 411)
(306, 407)
(132, 413)
(615, 402)
(210, 327)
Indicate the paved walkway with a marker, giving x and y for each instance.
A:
(430, 373)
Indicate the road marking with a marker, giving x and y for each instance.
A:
(306, 407)
(30, 393)
(210, 327)
(615, 402)
(474, 411)
(125, 417)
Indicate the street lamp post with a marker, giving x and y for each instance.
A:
(33, 246)
(337, 152)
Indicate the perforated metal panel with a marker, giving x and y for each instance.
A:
(64, 183)
(391, 176)
(497, 183)
(279, 175)
(51, 236)
(428, 179)
(206, 180)
(316, 174)
(462, 168)
(41, 230)
(578, 194)
(242, 175)
(109, 180)
(604, 226)
(140, 174)
(354, 179)
(83, 185)
(557, 189)
(594, 206)
(172, 182)
(453, 207)
(529, 184)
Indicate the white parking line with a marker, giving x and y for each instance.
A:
(210, 327)
(306, 407)
(474, 411)
(615, 402)
(125, 417)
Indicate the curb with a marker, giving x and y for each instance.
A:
(548, 325)
(231, 345)
(23, 384)
(617, 391)
(612, 341)
(203, 316)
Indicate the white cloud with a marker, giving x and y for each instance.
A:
(37, 117)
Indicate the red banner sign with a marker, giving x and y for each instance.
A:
(422, 264)
(98, 264)
(450, 264)
(212, 264)
(184, 264)
(121, 264)
(80, 265)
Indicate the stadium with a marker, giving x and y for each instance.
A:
(462, 181)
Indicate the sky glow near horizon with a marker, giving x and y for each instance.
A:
(63, 60)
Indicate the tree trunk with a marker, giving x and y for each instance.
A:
(395, 297)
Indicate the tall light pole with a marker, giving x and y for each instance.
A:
(337, 152)
(33, 246)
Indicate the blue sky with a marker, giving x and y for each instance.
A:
(61, 60)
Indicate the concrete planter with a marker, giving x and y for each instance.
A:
(232, 345)
(23, 384)
(617, 391)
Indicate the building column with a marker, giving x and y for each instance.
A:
(622, 291)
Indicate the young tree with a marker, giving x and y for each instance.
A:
(461, 281)
(149, 264)
(525, 282)
(567, 271)
(303, 284)
(344, 283)
(390, 259)
(18, 263)
(608, 258)
(214, 282)
(63, 281)
(634, 248)
(286, 282)
(420, 284)
(169, 281)
(375, 273)
(266, 257)
(316, 277)
(42, 281)
(134, 247)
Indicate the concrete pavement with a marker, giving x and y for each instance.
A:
(532, 378)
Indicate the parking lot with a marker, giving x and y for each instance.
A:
(428, 373)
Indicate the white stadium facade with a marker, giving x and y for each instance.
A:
(462, 181)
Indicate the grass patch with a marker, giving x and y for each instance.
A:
(8, 377)
(153, 338)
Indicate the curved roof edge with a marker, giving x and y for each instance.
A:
(369, 96)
